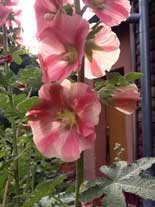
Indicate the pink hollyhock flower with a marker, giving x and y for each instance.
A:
(111, 12)
(4, 13)
(63, 123)
(61, 47)
(125, 98)
(102, 51)
(46, 12)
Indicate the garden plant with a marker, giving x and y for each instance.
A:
(48, 110)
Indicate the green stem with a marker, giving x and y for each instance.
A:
(15, 148)
(59, 201)
(13, 124)
(80, 162)
(77, 7)
(79, 179)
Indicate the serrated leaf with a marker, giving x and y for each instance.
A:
(133, 76)
(93, 189)
(27, 104)
(142, 186)
(122, 177)
(114, 197)
(122, 169)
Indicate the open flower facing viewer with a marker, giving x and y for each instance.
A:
(63, 123)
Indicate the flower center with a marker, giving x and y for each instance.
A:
(98, 4)
(68, 118)
(49, 16)
(70, 55)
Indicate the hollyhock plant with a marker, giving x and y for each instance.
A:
(102, 51)
(61, 48)
(63, 122)
(46, 12)
(125, 98)
(111, 12)
(4, 14)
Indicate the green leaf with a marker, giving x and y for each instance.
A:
(116, 79)
(16, 57)
(44, 189)
(30, 76)
(143, 186)
(27, 104)
(114, 197)
(93, 189)
(119, 178)
(133, 76)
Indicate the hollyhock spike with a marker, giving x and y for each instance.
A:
(63, 123)
(61, 47)
(102, 51)
(111, 12)
(125, 98)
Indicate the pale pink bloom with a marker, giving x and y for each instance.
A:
(61, 47)
(46, 12)
(125, 98)
(63, 123)
(102, 52)
(111, 12)
(4, 13)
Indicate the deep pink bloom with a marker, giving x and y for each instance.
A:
(111, 12)
(61, 47)
(4, 13)
(125, 98)
(63, 123)
(102, 52)
(46, 12)
(6, 58)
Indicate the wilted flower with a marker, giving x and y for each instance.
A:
(111, 12)
(125, 98)
(61, 47)
(102, 51)
(63, 123)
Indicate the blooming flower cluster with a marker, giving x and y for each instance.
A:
(64, 120)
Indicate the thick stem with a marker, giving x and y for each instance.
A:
(77, 7)
(80, 162)
(79, 179)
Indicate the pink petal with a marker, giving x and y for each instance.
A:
(126, 98)
(113, 12)
(103, 60)
(4, 14)
(70, 150)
